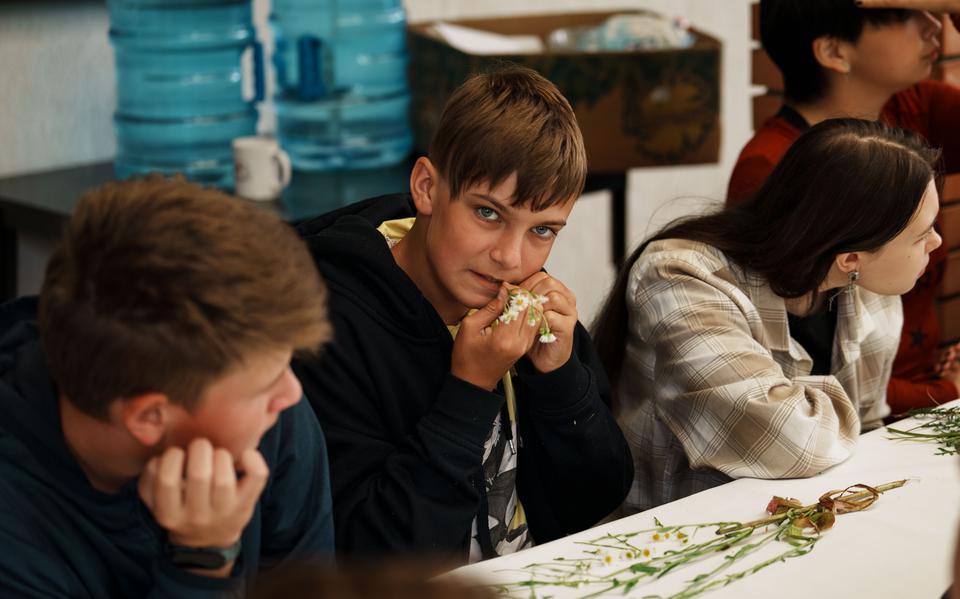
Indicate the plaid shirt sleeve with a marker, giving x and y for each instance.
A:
(719, 389)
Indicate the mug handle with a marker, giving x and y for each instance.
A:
(284, 170)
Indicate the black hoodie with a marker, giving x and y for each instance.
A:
(406, 437)
(60, 537)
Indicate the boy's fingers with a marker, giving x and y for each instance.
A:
(168, 490)
(255, 474)
(485, 316)
(224, 481)
(560, 303)
(533, 280)
(556, 287)
(199, 475)
(551, 288)
(146, 483)
(556, 316)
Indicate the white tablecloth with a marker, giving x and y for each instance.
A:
(902, 546)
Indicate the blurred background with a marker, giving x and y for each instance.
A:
(59, 97)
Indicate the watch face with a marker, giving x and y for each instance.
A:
(204, 558)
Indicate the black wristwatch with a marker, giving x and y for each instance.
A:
(202, 558)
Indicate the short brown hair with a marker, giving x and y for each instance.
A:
(511, 120)
(160, 285)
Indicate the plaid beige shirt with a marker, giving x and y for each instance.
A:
(714, 387)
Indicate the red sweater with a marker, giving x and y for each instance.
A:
(932, 109)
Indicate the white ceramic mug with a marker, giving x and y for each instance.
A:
(262, 169)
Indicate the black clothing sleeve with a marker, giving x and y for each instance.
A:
(405, 468)
(404, 482)
(575, 464)
(406, 437)
(30, 568)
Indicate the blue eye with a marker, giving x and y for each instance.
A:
(487, 213)
(542, 231)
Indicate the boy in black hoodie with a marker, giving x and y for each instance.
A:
(451, 432)
(156, 364)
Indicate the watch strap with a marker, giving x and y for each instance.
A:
(203, 558)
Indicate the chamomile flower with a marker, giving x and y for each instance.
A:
(521, 300)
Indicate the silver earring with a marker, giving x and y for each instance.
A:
(852, 279)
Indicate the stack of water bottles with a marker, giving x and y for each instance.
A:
(180, 85)
(190, 71)
(342, 98)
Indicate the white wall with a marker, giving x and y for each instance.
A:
(58, 97)
(58, 86)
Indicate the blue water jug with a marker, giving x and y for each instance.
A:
(342, 98)
(181, 96)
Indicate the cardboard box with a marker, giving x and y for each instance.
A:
(636, 108)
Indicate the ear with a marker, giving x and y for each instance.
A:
(146, 417)
(848, 262)
(833, 53)
(423, 185)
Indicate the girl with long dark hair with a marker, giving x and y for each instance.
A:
(696, 334)
(840, 58)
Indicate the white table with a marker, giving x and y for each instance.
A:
(902, 546)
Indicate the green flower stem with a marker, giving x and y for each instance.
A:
(731, 540)
(795, 551)
(702, 582)
(910, 433)
(945, 424)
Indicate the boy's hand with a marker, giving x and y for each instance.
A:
(560, 310)
(486, 349)
(195, 496)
